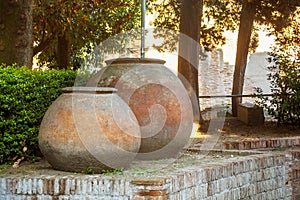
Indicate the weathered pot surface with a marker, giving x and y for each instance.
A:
(89, 128)
(158, 99)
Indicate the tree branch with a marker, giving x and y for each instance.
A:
(42, 45)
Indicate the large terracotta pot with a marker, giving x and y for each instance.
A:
(158, 99)
(89, 128)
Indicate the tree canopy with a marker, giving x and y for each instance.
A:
(289, 37)
(62, 28)
(217, 17)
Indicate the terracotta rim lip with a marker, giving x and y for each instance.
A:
(135, 61)
(90, 90)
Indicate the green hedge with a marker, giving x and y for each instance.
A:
(25, 96)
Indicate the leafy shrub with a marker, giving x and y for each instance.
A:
(285, 83)
(25, 96)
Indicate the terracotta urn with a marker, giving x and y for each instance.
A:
(158, 99)
(89, 128)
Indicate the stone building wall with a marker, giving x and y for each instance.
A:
(215, 77)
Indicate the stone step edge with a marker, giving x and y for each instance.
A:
(260, 144)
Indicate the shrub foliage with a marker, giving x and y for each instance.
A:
(25, 96)
(285, 83)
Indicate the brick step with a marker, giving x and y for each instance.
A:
(274, 143)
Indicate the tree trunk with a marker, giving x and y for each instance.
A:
(63, 53)
(188, 60)
(244, 35)
(16, 32)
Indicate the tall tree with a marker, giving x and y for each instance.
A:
(62, 28)
(186, 16)
(16, 32)
(263, 12)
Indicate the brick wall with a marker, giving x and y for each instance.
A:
(63, 187)
(256, 177)
(260, 176)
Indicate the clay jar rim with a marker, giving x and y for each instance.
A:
(135, 60)
(90, 90)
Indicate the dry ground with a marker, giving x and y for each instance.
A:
(235, 130)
